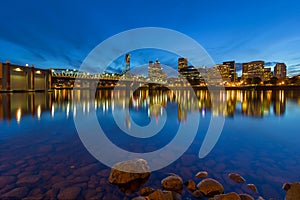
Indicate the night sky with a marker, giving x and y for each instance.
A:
(60, 34)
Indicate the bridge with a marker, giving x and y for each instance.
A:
(66, 78)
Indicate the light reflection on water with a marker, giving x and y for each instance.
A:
(259, 139)
(237, 102)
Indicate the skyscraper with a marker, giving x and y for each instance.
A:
(280, 70)
(232, 70)
(182, 63)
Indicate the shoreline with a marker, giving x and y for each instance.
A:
(248, 87)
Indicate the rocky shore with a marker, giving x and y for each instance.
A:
(173, 186)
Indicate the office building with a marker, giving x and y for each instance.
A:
(254, 69)
(232, 70)
(280, 70)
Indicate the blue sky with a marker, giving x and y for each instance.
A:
(60, 34)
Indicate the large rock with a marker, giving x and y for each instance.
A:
(228, 196)
(130, 175)
(210, 187)
(161, 195)
(236, 177)
(292, 191)
(172, 183)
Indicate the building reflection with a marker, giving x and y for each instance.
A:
(227, 103)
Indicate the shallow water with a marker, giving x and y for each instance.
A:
(42, 154)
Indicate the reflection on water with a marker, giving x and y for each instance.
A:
(40, 148)
(230, 102)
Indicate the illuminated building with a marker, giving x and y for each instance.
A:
(253, 69)
(23, 78)
(232, 70)
(218, 74)
(267, 74)
(182, 63)
(155, 72)
(280, 70)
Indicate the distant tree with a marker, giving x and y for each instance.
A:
(273, 80)
(256, 80)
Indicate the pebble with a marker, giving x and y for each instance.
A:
(69, 193)
(190, 185)
(246, 197)
(146, 191)
(252, 187)
(202, 174)
(236, 177)
(228, 196)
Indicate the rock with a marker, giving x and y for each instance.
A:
(29, 180)
(210, 187)
(293, 192)
(52, 194)
(190, 185)
(167, 195)
(228, 196)
(69, 193)
(156, 195)
(130, 175)
(139, 198)
(16, 193)
(236, 177)
(86, 170)
(6, 180)
(176, 195)
(252, 187)
(146, 191)
(202, 174)
(286, 186)
(246, 197)
(197, 194)
(172, 183)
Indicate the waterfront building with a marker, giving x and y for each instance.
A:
(23, 78)
(155, 73)
(254, 69)
(232, 70)
(280, 70)
(182, 63)
(267, 74)
(219, 74)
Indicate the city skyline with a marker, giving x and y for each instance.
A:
(61, 34)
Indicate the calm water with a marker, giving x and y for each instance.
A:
(41, 153)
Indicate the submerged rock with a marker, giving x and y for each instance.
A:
(202, 174)
(146, 191)
(236, 177)
(69, 193)
(17, 193)
(246, 197)
(252, 187)
(292, 191)
(197, 194)
(190, 185)
(210, 187)
(228, 196)
(130, 175)
(172, 183)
